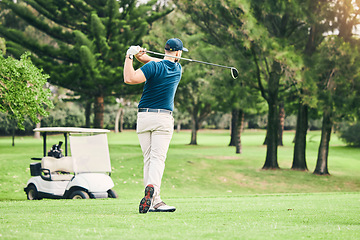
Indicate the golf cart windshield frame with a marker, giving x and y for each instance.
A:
(66, 131)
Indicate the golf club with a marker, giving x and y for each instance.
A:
(234, 71)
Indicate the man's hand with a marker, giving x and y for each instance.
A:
(133, 50)
(130, 75)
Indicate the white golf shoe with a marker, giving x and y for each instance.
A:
(162, 207)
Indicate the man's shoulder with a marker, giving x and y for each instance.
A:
(148, 66)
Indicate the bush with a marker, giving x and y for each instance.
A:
(130, 116)
(65, 114)
(315, 124)
(290, 122)
(7, 125)
(350, 134)
(257, 121)
(217, 120)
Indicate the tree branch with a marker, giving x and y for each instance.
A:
(262, 90)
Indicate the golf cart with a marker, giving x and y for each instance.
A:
(85, 174)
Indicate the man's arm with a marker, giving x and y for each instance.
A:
(130, 75)
(144, 58)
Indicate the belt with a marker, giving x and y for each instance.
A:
(155, 110)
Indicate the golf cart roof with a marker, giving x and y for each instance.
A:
(71, 130)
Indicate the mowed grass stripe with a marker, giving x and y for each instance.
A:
(218, 194)
(279, 216)
(193, 170)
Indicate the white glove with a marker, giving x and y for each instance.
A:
(133, 50)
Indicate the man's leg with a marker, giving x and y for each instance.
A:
(145, 143)
(144, 135)
(155, 133)
(160, 141)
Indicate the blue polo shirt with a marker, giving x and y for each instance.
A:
(162, 80)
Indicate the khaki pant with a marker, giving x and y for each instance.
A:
(154, 131)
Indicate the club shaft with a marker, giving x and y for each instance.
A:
(188, 59)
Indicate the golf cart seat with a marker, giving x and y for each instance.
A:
(57, 169)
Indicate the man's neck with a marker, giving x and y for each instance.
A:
(170, 59)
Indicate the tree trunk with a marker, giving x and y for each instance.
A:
(266, 139)
(310, 47)
(234, 122)
(198, 115)
(281, 123)
(178, 126)
(322, 160)
(271, 161)
(299, 158)
(121, 127)
(13, 132)
(99, 112)
(38, 125)
(119, 120)
(88, 113)
(272, 138)
(239, 129)
(194, 129)
(281, 126)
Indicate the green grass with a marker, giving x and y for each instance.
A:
(284, 216)
(218, 194)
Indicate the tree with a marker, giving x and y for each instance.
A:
(348, 17)
(348, 136)
(263, 30)
(277, 62)
(91, 40)
(317, 19)
(194, 93)
(338, 90)
(222, 27)
(194, 96)
(338, 76)
(22, 91)
(238, 98)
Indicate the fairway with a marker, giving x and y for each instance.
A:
(218, 194)
(191, 78)
(284, 216)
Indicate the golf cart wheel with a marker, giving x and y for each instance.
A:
(79, 195)
(112, 194)
(32, 193)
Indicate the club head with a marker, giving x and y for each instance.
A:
(234, 73)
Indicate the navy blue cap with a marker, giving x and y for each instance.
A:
(175, 44)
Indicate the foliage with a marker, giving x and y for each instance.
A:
(350, 134)
(225, 42)
(68, 114)
(130, 116)
(22, 91)
(258, 36)
(8, 125)
(62, 115)
(337, 70)
(194, 95)
(90, 41)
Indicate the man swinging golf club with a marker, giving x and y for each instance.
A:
(155, 123)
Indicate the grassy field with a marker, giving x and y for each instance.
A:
(218, 194)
